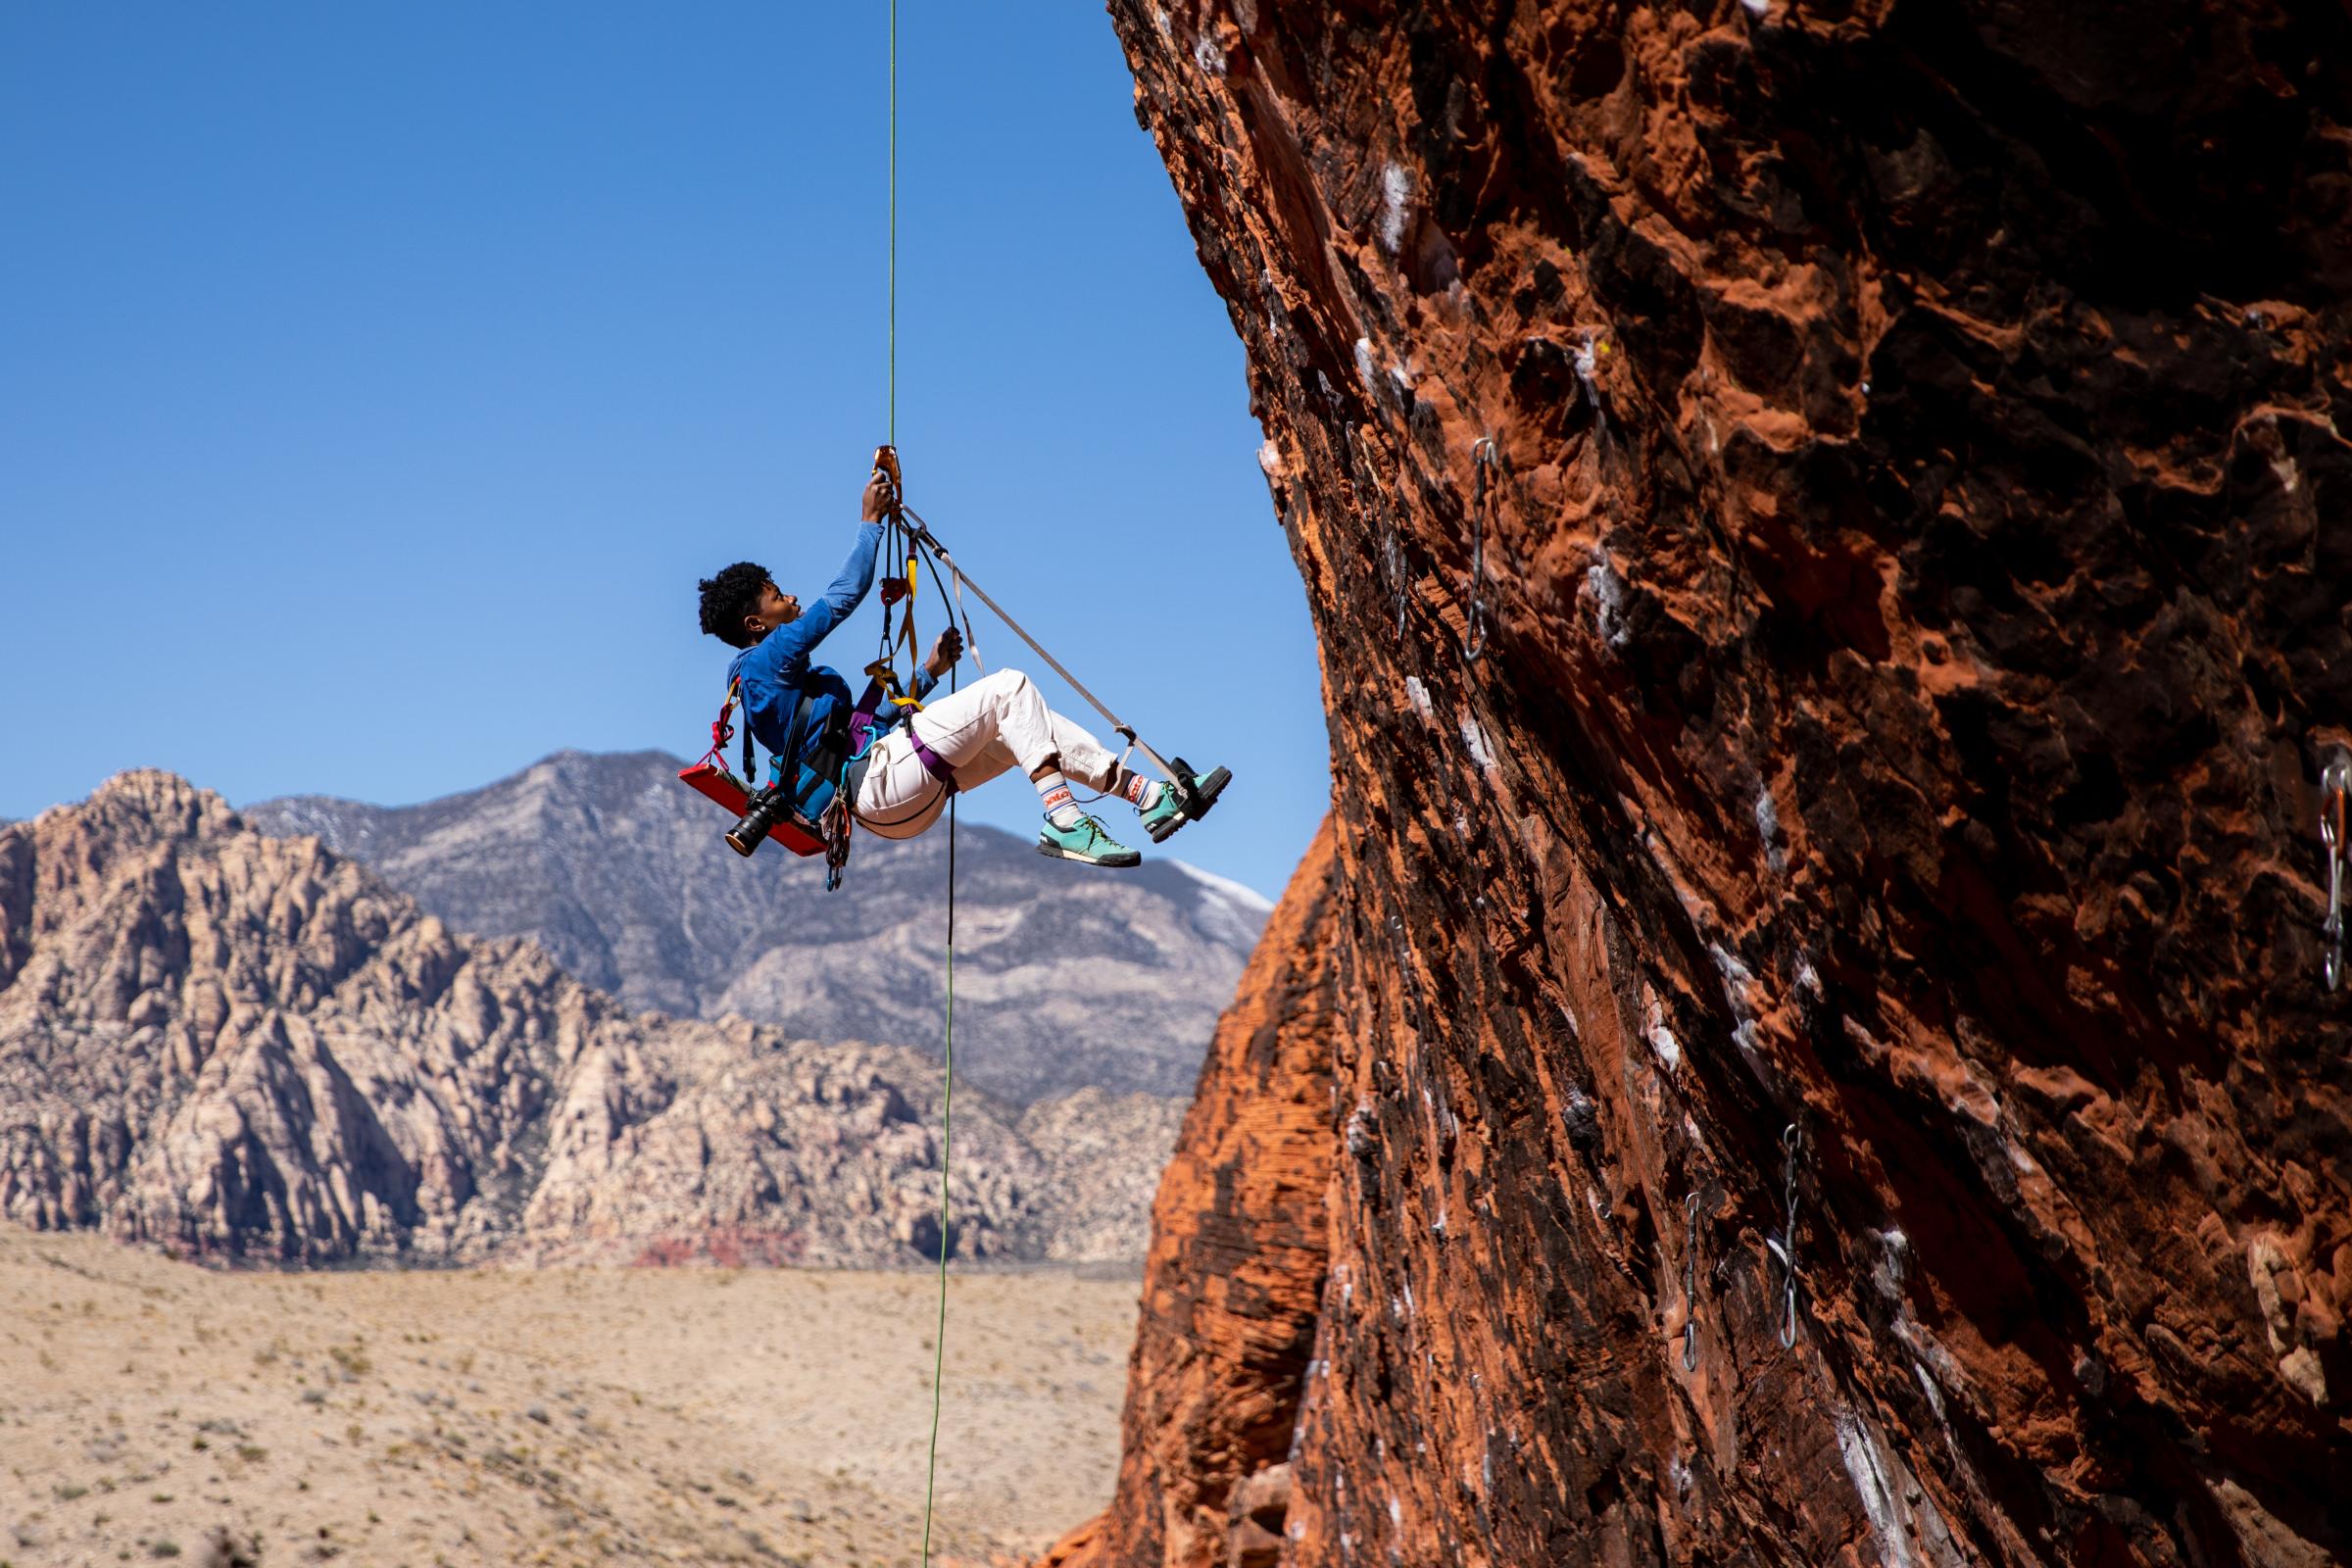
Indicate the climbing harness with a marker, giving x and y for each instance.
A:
(804, 807)
(711, 779)
(1690, 1283)
(1784, 1245)
(1481, 462)
(761, 813)
(2335, 784)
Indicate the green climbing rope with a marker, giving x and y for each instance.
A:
(889, 419)
(946, 1118)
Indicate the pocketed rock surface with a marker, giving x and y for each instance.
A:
(248, 1050)
(1877, 688)
(1238, 1240)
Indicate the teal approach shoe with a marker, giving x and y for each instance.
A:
(1086, 843)
(1166, 816)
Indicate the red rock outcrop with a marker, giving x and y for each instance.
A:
(1235, 1276)
(1875, 690)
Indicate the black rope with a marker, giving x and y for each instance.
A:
(947, 1159)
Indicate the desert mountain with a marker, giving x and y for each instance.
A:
(250, 1047)
(1062, 981)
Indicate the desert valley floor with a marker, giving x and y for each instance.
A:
(493, 1417)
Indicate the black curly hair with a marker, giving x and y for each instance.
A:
(729, 596)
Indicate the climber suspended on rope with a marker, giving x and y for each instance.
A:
(897, 758)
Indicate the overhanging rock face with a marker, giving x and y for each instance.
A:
(1909, 607)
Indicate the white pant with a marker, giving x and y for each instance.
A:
(995, 725)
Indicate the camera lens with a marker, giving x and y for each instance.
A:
(766, 808)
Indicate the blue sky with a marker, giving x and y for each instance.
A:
(375, 382)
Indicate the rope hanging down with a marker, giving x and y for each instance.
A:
(947, 1154)
(946, 1117)
(909, 532)
(890, 353)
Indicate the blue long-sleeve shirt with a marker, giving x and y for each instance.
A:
(776, 672)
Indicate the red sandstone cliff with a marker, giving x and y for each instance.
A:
(1235, 1276)
(1909, 602)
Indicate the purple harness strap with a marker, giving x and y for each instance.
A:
(933, 763)
(862, 728)
(862, 721)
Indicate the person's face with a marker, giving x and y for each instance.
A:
(775, 609)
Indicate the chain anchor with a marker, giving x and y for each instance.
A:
(1690, 1283)
(1483, 462)
(2335, 784)
(1784, 1245)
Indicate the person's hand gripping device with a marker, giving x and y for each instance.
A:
(775, 803)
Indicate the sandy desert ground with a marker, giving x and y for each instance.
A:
(152, 1410)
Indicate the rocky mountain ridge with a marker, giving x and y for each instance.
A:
(1064, 981)
(248, 1048)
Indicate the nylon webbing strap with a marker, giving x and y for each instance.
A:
(926, 540)
(743, 718)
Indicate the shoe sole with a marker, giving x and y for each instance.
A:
(1206, 792)
(1125, 858)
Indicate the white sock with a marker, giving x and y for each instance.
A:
(1142, 793)
(1061, 806)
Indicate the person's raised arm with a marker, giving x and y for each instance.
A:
(792, 642)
